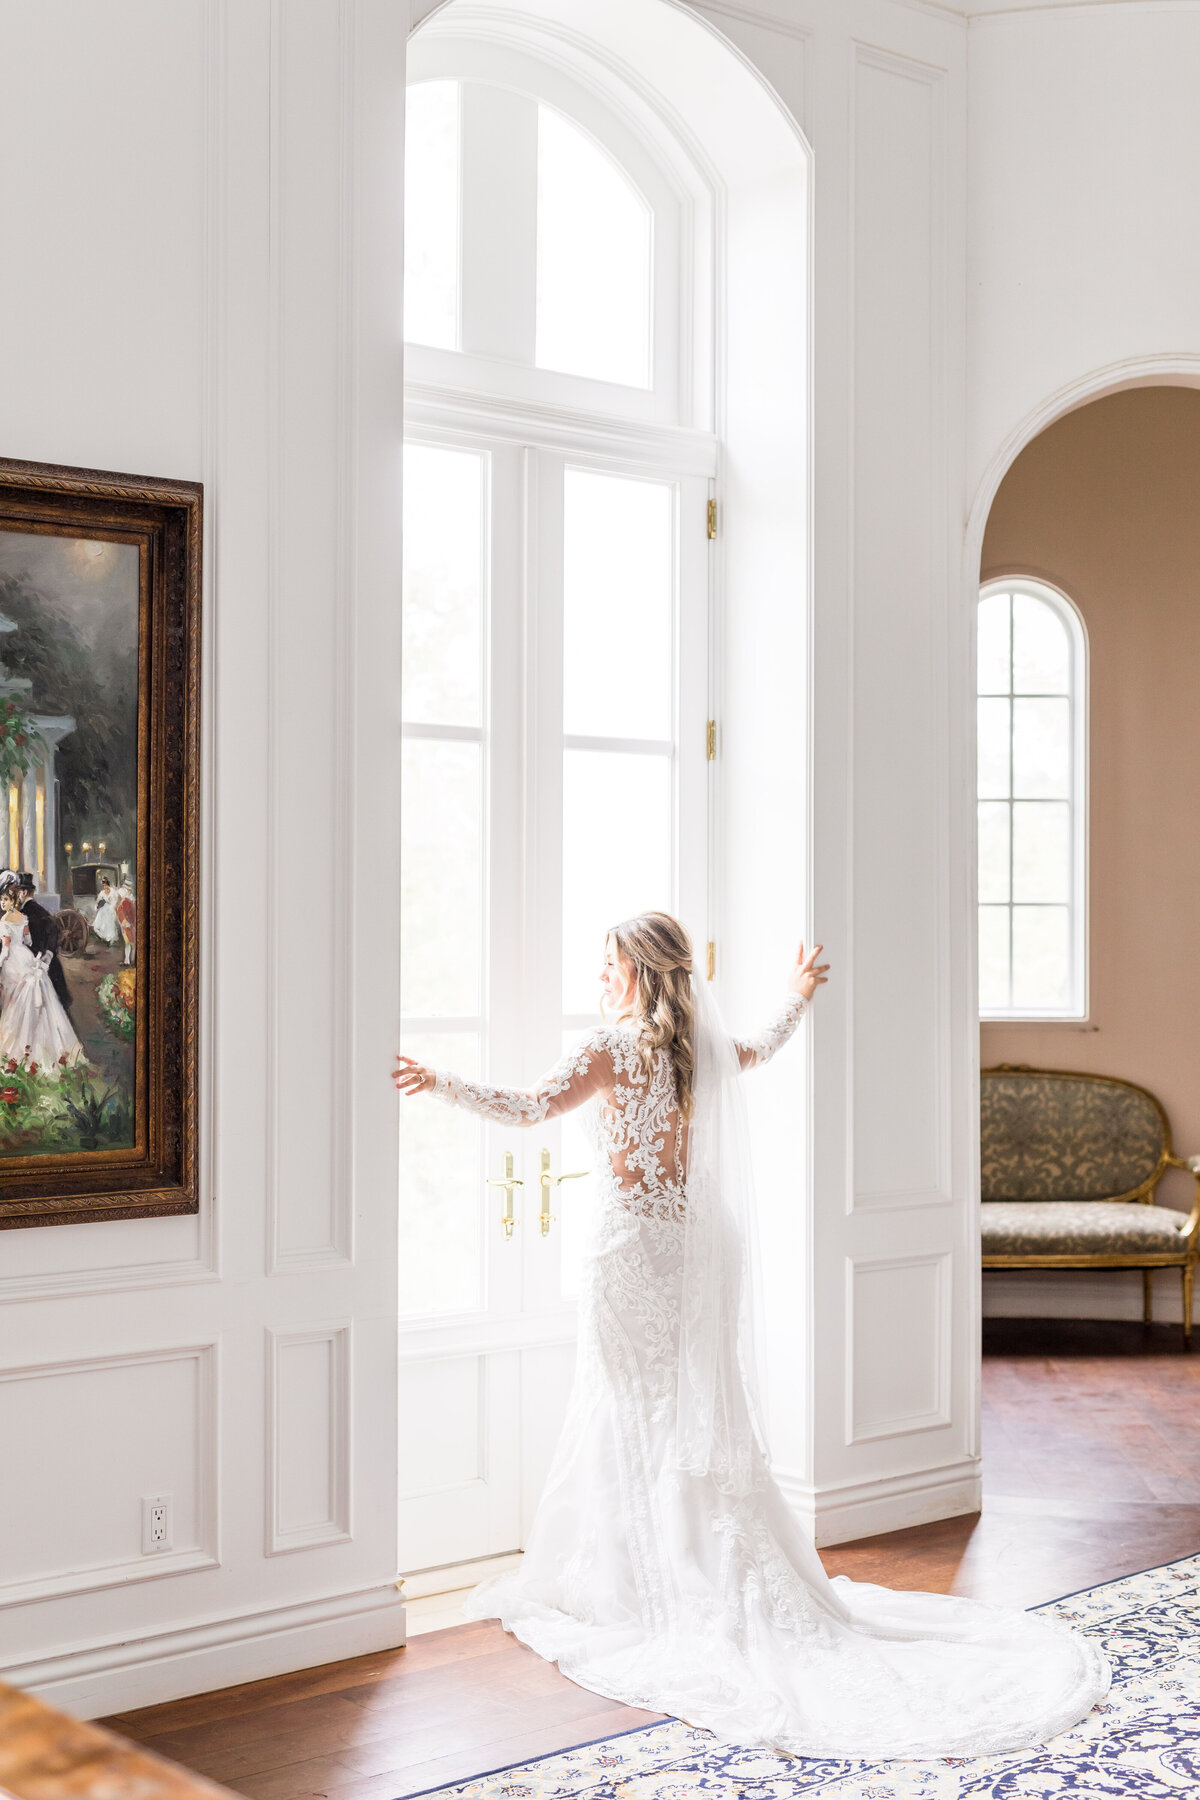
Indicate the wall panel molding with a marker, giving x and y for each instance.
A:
(122, 1278)
(204, 1552)
(888, 1374)
(901, 1136)
(325, 1441)
(295, 386)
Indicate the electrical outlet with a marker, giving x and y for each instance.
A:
(156, 1523)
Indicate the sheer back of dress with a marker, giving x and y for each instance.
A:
(642, 1129)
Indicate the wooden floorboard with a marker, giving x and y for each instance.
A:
(1092, 1471)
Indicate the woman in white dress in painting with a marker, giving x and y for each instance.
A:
(664, 1568)
(34, 1029)
(105, 924)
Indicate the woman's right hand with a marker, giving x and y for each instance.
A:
(808, 974)
(412, 1077)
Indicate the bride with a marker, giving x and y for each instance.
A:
(34, 1027)
(664, 1568)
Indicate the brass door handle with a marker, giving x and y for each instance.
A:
(509, 1183)
(546, 1181)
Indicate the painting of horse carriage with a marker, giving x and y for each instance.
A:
(99, 749)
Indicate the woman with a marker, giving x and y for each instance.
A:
(105, 924)
(664, 1568)
(125, 907)
(34, 1027)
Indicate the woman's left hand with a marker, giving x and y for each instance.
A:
(412, 1077)
(808, 974)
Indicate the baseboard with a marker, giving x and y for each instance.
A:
(95, 1680)
(455, 1578)
(858, 1509)
(1079, 1294)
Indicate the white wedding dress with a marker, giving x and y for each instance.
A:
(664, 1568)
(34, 1027)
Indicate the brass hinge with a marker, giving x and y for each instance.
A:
(710, 741)
(712, 959)
(712, 518)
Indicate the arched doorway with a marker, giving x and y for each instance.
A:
(557, 451)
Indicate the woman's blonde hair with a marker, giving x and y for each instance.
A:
(660, 951)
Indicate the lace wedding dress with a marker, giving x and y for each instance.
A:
(664, 1568)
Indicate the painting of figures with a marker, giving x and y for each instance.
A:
(99, 840)
(69, 614)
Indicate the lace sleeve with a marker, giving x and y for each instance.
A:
(584, 1072)
(760, 1049)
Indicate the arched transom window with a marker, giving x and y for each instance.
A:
(1032, 693)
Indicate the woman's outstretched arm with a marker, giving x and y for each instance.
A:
(806, 977)
(575, 1078)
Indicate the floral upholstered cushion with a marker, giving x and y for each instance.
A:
(1065, 1137)
(1079, 1228)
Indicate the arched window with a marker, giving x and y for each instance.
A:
(543, 242)
(556, 532)
(1032, 789)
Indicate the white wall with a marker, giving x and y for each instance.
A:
(200, 282)
(1083, 157)
(1083, 152)
(872, 1265)
(202, 202)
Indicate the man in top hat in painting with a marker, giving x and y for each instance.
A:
(43, 932)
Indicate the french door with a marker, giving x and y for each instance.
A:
(555, 781)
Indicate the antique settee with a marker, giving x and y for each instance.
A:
(1070, 1165)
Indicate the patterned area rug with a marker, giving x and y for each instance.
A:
(1142, 1744)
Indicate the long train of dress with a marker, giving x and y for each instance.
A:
(662, 1588)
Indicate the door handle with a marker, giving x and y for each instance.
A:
(546, 1181)
(509, 1183)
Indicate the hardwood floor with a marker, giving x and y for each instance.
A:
(1092, 1443)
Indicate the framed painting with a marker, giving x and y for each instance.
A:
(99, 825)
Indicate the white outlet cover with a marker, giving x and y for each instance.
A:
(158, 1528)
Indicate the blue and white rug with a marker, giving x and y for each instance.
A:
(1142, 1744)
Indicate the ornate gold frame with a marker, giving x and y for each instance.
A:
(159, 1173)
(1185, 1260)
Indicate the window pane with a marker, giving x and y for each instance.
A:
(1041, 851)
(995, 645)
(601, 885)
(993, 851)
(593, 260)
(618, 593)
(441, 1186)
(431, 213)
(994, 717)
(441, 878)
(993, 958)
(1041, 648)
(1041, 749)
(443, 585)
(1041, 957)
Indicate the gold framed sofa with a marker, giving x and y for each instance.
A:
(1070, 1165)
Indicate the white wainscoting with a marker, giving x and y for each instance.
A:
(93, 1680)
(90, 1437)
(459, 1441)
(898, 1320)
(901, 1116)
(892, 1339)
(309, 1449)
(239, 326)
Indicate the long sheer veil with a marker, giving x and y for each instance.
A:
(718, 1430)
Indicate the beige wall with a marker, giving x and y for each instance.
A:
(1106, 505)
